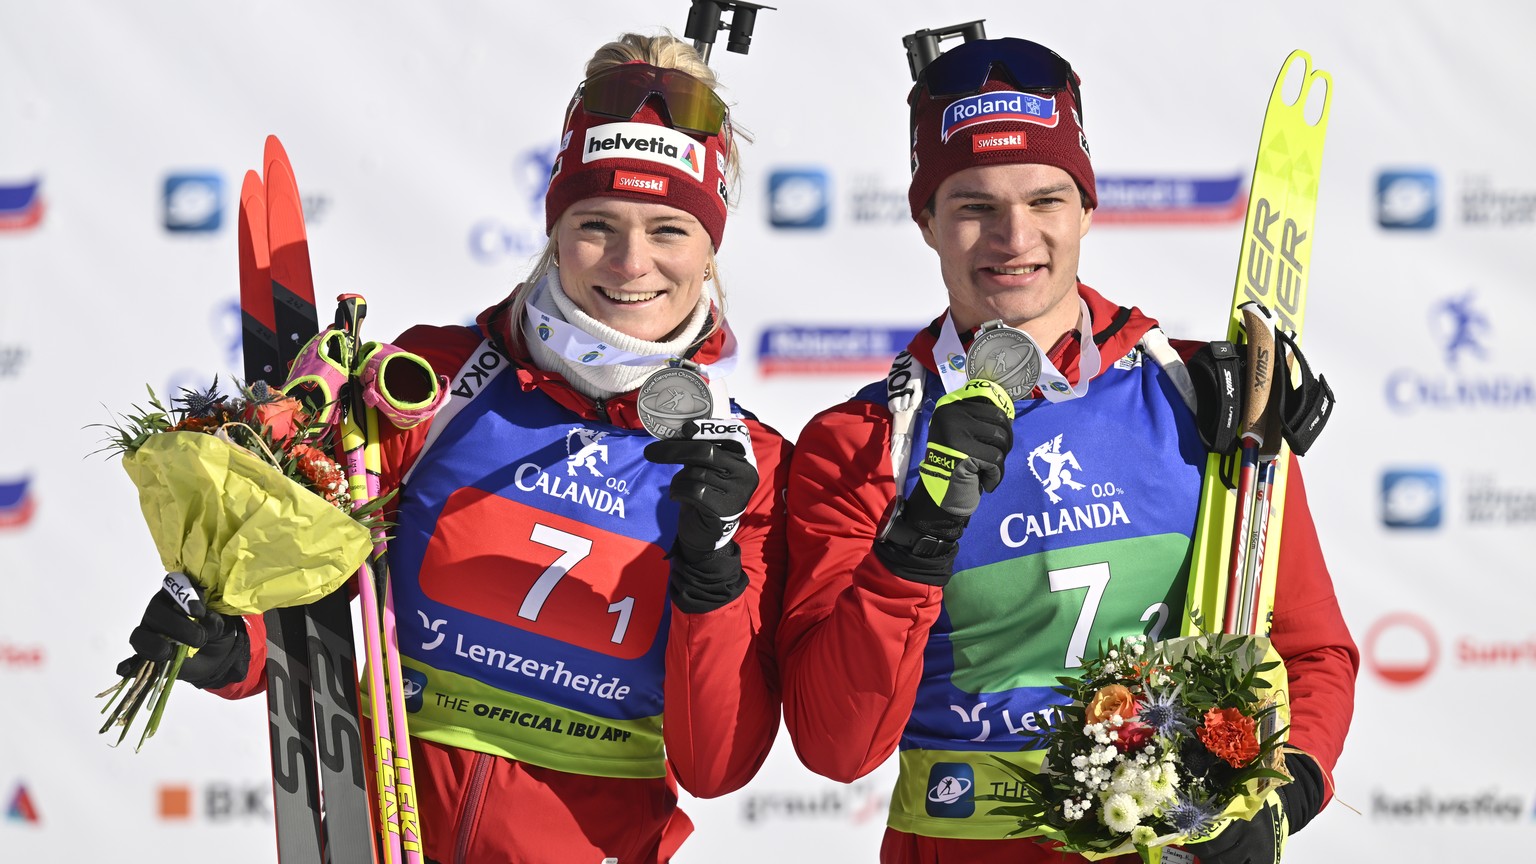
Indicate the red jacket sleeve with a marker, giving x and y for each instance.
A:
(722, 686)
(1309, 632)
(851, 640)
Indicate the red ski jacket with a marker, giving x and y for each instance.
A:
(721, 689)
(853, 635)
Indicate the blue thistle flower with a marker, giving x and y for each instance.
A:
(201, 403)
(1191, 817)
(260, 392)
(1163, 712)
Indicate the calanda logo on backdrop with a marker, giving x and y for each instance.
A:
(494, 240)
(1404, 649)
(1461, 329)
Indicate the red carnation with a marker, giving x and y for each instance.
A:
(1229, 734)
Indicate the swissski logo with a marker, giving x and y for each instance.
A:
(21, 205)
(16, 503)
(194, 202)
(1412, 498)
(798, 198)
(1407, 200)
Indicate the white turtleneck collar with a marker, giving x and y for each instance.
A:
(605, 382)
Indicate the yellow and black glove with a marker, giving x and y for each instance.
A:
(969, 436)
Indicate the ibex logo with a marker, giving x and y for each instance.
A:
(1058, 468)
(585, 449)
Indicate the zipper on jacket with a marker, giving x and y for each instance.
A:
(478, 775)
(602, 410)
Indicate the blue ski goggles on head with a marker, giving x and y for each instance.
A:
(964, 70)
(689, 104)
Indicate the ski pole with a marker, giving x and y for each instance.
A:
(397, 796)
(351, 310)
(405, 780)
(1258, 388)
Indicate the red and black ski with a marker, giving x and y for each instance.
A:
(312, 703)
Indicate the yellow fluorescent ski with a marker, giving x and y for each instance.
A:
(1273, 266)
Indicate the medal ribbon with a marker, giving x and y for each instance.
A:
(949, 356)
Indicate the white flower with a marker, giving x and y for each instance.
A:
(1120, 813)
(1141, 835)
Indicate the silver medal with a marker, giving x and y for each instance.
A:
(671, 397)
(1006, 357)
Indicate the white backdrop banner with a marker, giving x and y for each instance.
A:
(421, 134)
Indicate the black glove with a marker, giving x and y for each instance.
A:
(969, 436)
(1260, 840)
(176, 615)
(713, 487)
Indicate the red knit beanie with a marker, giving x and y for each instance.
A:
(641, 159)
(997, 126)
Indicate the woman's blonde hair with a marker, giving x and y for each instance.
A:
(664, 51)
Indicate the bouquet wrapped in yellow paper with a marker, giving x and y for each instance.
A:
(241, 497)
(250, 536)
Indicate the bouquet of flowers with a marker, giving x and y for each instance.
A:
(1162, 744)
(241, 496)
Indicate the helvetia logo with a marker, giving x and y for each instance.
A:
(21, 205)
(645, 142)
(19, 808)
